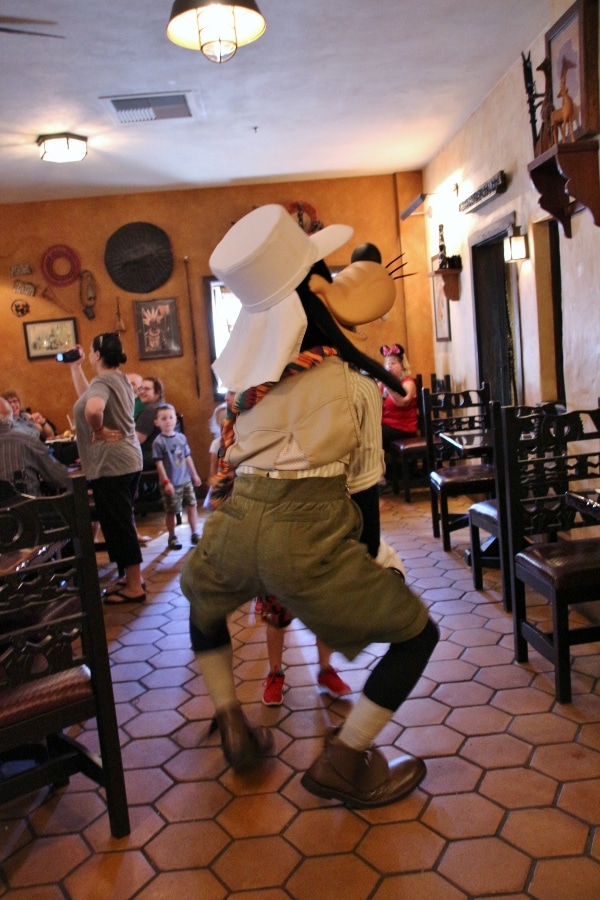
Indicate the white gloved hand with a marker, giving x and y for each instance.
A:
(387, 558)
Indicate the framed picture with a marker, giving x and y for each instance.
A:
(572, 48)
(157, 328)
(45, 339)
(441, 304)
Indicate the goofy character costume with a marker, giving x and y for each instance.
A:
(289, 528)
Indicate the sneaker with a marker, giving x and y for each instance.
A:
(174, 543)
(331, 682)
(258, 605)
(273, 689)
(195, 538)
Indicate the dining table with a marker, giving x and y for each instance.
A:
(64, 449)
(585, 501)
(470, 443)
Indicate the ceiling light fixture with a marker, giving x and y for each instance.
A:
(62, 148)
(215, 28)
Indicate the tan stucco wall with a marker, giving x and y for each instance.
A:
(194, 221)
(498, 137)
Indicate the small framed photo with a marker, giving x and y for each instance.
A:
(572, 48)
(441, 304)
(44, 340)
(157, 328)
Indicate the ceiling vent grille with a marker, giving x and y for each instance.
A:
(137, 109)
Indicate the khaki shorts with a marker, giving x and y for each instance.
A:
(184, 496)
(298, 540)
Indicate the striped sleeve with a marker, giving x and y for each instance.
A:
(367, 465)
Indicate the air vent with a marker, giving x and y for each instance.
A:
(133, 110)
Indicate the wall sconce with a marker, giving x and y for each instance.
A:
(62, 148)
(515, 246)
(214, 27)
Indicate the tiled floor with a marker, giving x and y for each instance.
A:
(510, 806)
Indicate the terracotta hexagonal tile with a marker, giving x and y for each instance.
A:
(551, 877)
(189, 802)
(519, 787)
(186, 845)
(485, 866)
(418, 886)
(339, 877)
(326, 831)
(45, 860)
(256, 815)
(496, 751)
(256, 863)
(462, 816)
(567, 762)
(582, 798)
(401, 847)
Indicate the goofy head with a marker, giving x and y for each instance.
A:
(289, 300)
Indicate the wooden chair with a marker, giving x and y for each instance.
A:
(54, 664)
(450, 475)
(406, 453)
(440, 384)
(566, 571)
(490, 515)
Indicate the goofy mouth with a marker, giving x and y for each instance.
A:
(362, 292)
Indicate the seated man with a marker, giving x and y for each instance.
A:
(21, 452)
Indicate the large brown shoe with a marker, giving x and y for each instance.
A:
(243, 745)
(362, 779)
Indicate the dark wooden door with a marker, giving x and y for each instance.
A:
(492, 324)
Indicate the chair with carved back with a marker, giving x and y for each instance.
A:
(490, 515)
(54, 664)
(561, 567)
(440, 384)
(450, 475)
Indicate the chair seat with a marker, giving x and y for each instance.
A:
(477, 478)
(485, 513)
(563, 565)
(51, 692)
(414, 444)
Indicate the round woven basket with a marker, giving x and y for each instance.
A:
(138, 257)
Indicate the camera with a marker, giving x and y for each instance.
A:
(68, 356)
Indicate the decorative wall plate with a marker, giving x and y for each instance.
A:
(60, 265)
(138, 257)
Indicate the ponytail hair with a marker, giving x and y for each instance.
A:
(110, 348)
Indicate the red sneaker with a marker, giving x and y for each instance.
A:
(273, 689)
(331, 682)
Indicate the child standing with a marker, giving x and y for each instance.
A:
(176, 473)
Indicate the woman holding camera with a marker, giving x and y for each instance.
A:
(111, 457)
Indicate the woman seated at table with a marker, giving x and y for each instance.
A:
(34, 424)
(152, 394)
(399, 415)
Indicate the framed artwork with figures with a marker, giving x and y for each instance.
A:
(157, 328)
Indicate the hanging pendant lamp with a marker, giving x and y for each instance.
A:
(214, 27)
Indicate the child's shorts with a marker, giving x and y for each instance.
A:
(184, 496)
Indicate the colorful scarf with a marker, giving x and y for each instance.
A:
(222, 483)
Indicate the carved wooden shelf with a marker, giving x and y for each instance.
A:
(450, 280)
(566, 176)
